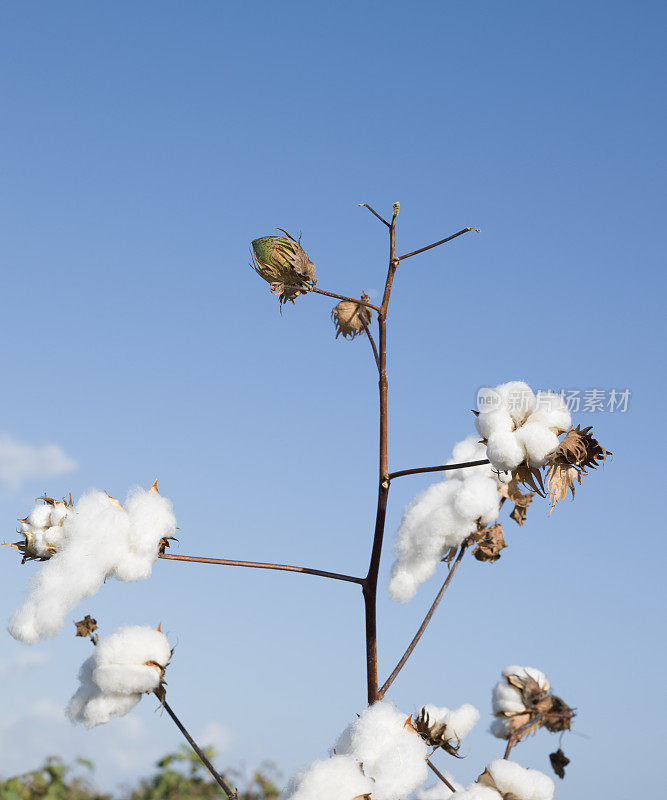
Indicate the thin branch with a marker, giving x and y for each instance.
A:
(372, 341)
(441, 776)
(423, 626)
(441, 468)
(436, 244)
(261, 565)
(510, 745)
(345, 297)
(226, 788)
(373, 211)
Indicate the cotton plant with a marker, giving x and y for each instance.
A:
(98, 538)
(126, 665)
(523, 445)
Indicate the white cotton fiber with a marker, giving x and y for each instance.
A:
(505, 451)
(470, 449)
(393, 755)
(517, 398)
(459, 721)
(99, 539)
(551, 411)
(538, 441)
(337, 778)
(496, 421)
(477, 498)
(440, 791)
(113, 679)
(507, 698)
(476, 792)
(524, 784)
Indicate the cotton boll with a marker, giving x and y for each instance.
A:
(517, 398)
(40, 516)
(551, 410)
(531, 672)
(504, 451)
(393, 756)
(511, 778)
(122, 657)
(462, 720)
(538, 441)
(98, 539)
(496, 421)
(506, 698)
(336, 778)
(86, 691)
(500, 728)
(58, 513)
(402, 586)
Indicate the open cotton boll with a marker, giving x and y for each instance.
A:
(505, 451)
(512, 780)
(459, 721)
(500, 728)
(538, 441)
(530, 672)
(506, 698)
(393, 755)
(496, 421)
(517, 398)
(98, 539)
(551, 411)
(125, 662)
(104, 707)
(337, 778)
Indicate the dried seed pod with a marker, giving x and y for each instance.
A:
(490, 541)
(577, 452)
(350, 318)
(284, 264)
(435, 733)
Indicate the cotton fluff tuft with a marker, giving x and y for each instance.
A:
(337, 778)
(508, 699)
(113, 679)
(100, 539)
(521, 426)
(459, 721)
(513, 780)
(440, 791)
(475, 791)
(393, 755)
(442, 517)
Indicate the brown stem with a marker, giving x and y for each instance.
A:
(510, 745)
(371, 580)
(442, 468)
(372, 341)
(226, 788)
(441, 776)
(260, 565)
(344, 297)
(373, 211)
(436, 244)
(423, 626)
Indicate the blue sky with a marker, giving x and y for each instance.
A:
(143, 146)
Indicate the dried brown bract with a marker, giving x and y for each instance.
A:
(577, 452)
(490, 541)
(521, 501)
(86, 627)
(350, 318)
(435, 733)
(284, 264)
(558, 762)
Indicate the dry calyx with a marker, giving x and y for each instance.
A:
(42, 529)
(351, 318)
(490, 541)
(523, 702)
(435, 733)
(284, 264)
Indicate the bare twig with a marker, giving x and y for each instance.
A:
(372, 341)
(436, 244)
(373, 211)
(226, 562)
(442, 468)
(345, 297)
(423, 626)
(226, 788)
(510, 745)
(441, 776)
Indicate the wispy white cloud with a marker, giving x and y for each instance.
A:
(20, 462)
(216, 736)
(21, 661)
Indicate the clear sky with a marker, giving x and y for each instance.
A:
(143, 146)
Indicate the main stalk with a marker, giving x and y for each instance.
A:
(371, 580)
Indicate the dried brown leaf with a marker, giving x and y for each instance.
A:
(558, 762)
(490, 541)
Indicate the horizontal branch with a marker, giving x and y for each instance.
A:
(441, 468)
(373, 211)
(436, 244)
(226, 562)
(345, 297)
(423, 626)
